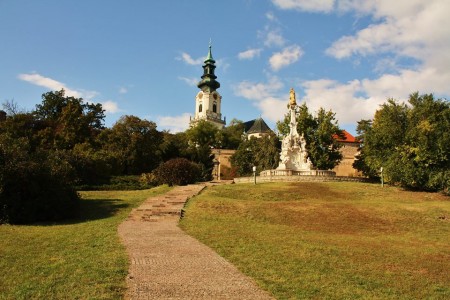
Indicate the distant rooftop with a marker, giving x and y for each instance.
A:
(256, 126)
(348, 138)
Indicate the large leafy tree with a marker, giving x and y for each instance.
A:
(411, 142)
(68, 121)
(201, 139)
(264, 153)
(174, 145)
(135, 143)
(363, 130)
(320, 132)
(204, 133)
(232, 134)
(35, 185)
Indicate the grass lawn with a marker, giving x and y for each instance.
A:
(81, 259)
(329, 240)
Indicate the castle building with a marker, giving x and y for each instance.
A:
(256, 128)
(208, 101)
(349, 150)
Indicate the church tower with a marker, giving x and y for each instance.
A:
(208, 101)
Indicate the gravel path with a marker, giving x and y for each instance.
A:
(166, 263)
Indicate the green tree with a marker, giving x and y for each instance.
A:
(34, 185)
(174, 145)
(264, 153)
(232, 134)
(68, 121)
(23, 125)
(203, 137)
(320, 134)
(411, 143)
(363, 129)
(204, 133)
(135, 144)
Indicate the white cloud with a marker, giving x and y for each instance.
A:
(413, 30)
(306, 5)
(342, 99)
(48, 83)
(408, 28)
(273, 38)
(425, 80)
(249, 54)
(257, 91)
(111, 107)
(123, 90)
(174, 124)
(359, 99)
(222, 64)
(55, 85)
(264, 97)
(191, 81)
(270, 16)
(189, 60)
(286, 57)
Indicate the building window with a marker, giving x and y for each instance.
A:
(200, 107)
(215, 107)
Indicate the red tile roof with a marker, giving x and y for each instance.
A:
(348, 138)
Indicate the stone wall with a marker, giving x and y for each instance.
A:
(223, 157)
(261, 179)
(345, 167)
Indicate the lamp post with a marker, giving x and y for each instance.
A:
(254, 174)
(216, 168)
(382, 179)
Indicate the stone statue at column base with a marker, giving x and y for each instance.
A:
(293, 154)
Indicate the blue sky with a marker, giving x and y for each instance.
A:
(144, 58)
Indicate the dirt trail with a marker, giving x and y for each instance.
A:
(166, 263)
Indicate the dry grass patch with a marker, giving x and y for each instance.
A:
(329, 240)
(79, 259)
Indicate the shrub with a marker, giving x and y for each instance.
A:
(148, 179)
(118, 183)
(34, 187)
(228, 173)
(92, 166)
(177, 171)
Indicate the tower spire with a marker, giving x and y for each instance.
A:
(208, 81)
(209, 56)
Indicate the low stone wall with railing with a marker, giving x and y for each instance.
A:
(298, 178)
(323, 173)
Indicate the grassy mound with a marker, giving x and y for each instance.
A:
(329, 240)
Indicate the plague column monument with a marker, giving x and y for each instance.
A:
(293, 154)
(294, 159)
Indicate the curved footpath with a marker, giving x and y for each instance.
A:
(166, 263)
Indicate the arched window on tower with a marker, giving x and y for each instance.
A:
(215, 107)
(200, 107)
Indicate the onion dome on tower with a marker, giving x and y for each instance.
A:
(208, 101)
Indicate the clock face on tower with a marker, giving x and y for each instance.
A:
(215, 96)
(200, 95)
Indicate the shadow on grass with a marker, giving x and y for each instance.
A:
(99, 209)
(91, 210)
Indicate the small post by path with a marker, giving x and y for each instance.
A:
(254, 174)
(382, 179)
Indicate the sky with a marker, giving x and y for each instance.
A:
(144, 58)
